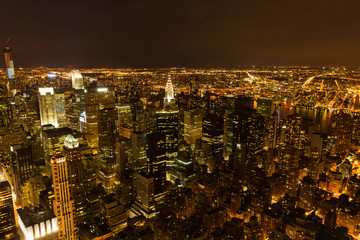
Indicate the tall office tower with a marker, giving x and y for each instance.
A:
(60, 107)
(138, 150)
(10, 69)
(73, 154)
(340, 134)
(307, 193)
(253, 138)
(271, 130)
(122, 156)
(156, 164)
(47, 105)
(8, 228)
(316, 165)
(183, 169)
(74, 105)
(193, 126)
(107, 144)
(167, 123)
(144, 204)
(265, 106)
(289, 167)
(107, 131)
(24, 163)
(77, 79)
(96, 98)
(291, 132)
(213, 132)
(125, 125)
(169, 91)
(32, 114)
(63, 203)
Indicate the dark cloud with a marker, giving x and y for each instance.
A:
(192, 33)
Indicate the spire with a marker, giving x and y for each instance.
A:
(169, 91)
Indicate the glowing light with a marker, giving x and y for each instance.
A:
(102, 89)
(51, 75)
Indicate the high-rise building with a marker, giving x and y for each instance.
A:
(144, 204)
(10, 69)
(60, 108)
(169, 91)
(265, 106)
(63, 203)
(73, 154)
(167, 123)
(183, 169)
(138, 150)
(74, 105)
(157, 162)
(107, 143)
(24, 163)
(340, 134)
(96, 98)
(77, 79)
(8, 228)
(213, 132)
(47, 104)
(193, 126)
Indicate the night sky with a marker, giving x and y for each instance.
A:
(187, 33)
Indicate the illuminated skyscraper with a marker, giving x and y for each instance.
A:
(47, 103)
(167, 123)
(157, 162)
(193, 126)
(7, 216)
(60, 108)
(265, 106)
(144, 204)
(340, 134)
(73, 154)
(63, 203)
(169, 91)
(107, 144)
(10, 69)
(77, 79)
(96, 98)
(213, 132)
(138, 150)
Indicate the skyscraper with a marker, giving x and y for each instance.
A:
(169, 91)
(77, 79)
(144, 204)
(7, 217)
(167, 123)
(193, 126)
(138, 150)
(157, 162)
(96, 98)
(63, 203)
(10, 69)
(72, 152)
(107, 144)
(47, 103)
